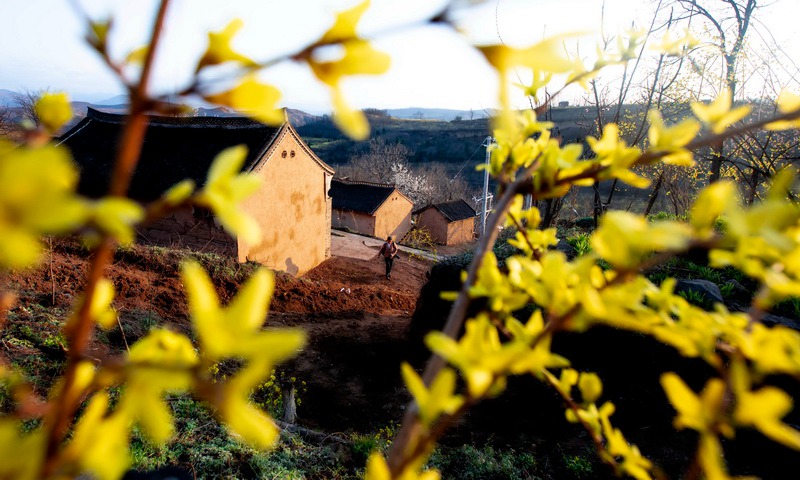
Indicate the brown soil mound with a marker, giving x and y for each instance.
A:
(356, 320)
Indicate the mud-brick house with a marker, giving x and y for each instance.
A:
(374, 209)
(449, 223)
(292, 206)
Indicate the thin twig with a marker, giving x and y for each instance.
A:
(79, 333)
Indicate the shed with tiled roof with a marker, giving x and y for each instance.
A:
(292, 206)
(375, 209)
(449, 223)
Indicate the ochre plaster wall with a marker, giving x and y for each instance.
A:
(433, 221)
(194, 229)
(293, 209)
(393, 217)
(355, 221)
(460, 231)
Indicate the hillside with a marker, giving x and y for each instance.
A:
(431, 140)
(338, 303)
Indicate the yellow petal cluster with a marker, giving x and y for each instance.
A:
(358, 58)
(22, 453)
(676, 45)
(116, 217)
(764, 409)
(235, 332)
(225, 188)
(623, 238)
(614, 154)
(671, 141)
(518, 142)
(219, 48)
(253, 98)
(160, 363)
(718, 114)
(695, 412)
(37, 196)
(435, 401)
(378, 469)
(788, 102)
(53, 111)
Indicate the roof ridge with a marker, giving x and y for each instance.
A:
(180, 122)
(458, 200)
(364, 182)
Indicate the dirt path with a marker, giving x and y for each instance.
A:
(344, 244)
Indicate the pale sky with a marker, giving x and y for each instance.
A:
(41, 43)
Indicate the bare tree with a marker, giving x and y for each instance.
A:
(7, 126)
(26, 104)
(729, 20)
(375, 165)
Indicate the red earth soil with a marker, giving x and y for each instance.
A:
(355, 319)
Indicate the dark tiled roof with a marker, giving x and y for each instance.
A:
(453, 211)
(362, 197)
(175, 148)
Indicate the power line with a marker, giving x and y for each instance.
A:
(465, 163)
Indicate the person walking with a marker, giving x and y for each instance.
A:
(388, 250)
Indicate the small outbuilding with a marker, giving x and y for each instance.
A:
(292, 206)
(375, 209)
(449, 223)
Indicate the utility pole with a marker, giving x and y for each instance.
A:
(486, 143)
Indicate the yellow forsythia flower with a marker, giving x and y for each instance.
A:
(434, 401)
(22, 454)
(712, 460)
(359, 58)
(235, 332)
(496, 288)
(53, 110)
(614, 154)
(672, 139)
(378, 469)
(718, 114)
(100, 310)
(37, 197)
(764, 409)
(695, 412)
(226, 187)
(253, 98)
(179, 193)
(117, 216)
(545, 56)
(788, 102)
(711, 202)
(161, 363)
(591, 387)
(624, 238)
(219, 47)
(674, 45)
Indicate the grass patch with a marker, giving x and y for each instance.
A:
(469, 462)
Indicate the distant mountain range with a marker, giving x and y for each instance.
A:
(7, 98)
(118, 104)
(438, 114)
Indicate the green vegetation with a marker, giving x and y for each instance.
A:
(469, 462)
(579, 466)
(580, 243)
(203, 447)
